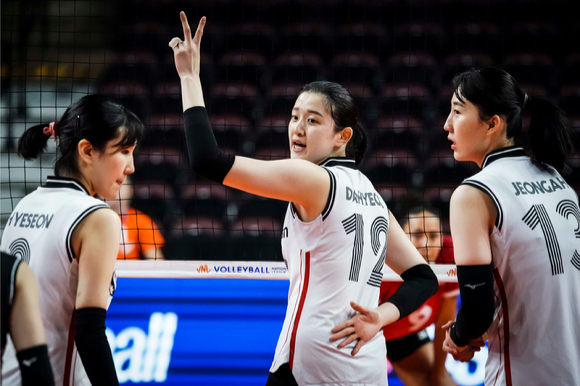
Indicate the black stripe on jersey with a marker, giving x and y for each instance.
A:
(538, 215)
(331, 196)
(506, 152)
(292, 210)
(485, 189)
(69, 248)
(576, 260)
(380, 225)
(355, 224)
(339, 161)
(64, 182)
(551, 241)
(13, 280)
(566, 208)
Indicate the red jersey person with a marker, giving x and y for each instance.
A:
(415, 359)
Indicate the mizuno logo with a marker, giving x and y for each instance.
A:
(473, 286)
(28, 362)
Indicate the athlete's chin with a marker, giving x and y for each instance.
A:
(111, 195)
(459, 157)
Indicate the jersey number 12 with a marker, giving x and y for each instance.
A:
(355, 224)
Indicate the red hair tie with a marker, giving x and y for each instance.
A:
(50, 130)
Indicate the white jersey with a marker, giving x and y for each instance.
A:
(39, 231)
(332, 260)
(535, 336)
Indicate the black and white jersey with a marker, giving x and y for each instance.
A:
(333, 260)
(535, 336)
(39, 231)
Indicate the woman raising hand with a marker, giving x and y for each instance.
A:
(335, 229)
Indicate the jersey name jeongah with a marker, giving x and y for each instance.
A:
(539, 187)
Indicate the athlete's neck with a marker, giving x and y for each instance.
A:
(81, 179)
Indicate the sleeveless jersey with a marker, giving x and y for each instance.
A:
(39, 231)
(332, 260)
(535, 336)
(425, 315)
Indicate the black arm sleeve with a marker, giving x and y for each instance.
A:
(204, 155)
(35, 366)
(477, 303)
(420, 283)
(93, 346)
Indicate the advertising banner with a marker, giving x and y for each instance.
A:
(209, 331)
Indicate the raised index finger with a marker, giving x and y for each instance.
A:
(185, 25)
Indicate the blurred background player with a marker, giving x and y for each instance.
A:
(515, 228)
(415, 359)
(141, 238)
(21, 317)
(72, 239)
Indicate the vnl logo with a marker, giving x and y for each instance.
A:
(141, 356)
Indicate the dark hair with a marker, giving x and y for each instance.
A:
(344, 112)
(495, 92)
(419, 208)
(95, 118)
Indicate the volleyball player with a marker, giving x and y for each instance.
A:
(415, 359)
(71, 239)
(21, 316)
(335, 230)
(515, 228)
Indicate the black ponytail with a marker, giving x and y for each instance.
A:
(33, 142)
(95, 118)
(550, 134)
(345, 113)
(495, 92)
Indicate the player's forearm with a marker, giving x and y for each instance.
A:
(388, 313)
(419, 284)
(477, 303)
(191, 92)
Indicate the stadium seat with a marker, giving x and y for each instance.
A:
(356, 66)
(362, 35)
(308, 35)
(418, 66)
(273, 130)
(405, 98)
(533, 36)
(233, 131)
(417, 36)
(461, 61)
(297, 66)
(131, 66)
(282, 97)
(233, 98)
(167, 99)
(131, 94)
(242, 66)
(474, 36)
(252, 36)
(535, 67)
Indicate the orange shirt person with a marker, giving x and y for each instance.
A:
(140, 236)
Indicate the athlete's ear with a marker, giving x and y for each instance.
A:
(86, 151)
(496, 123)
(343, 136)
